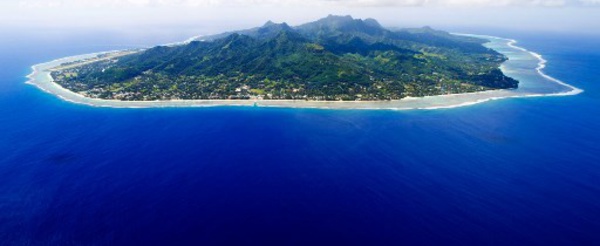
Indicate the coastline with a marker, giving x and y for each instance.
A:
(520, 66)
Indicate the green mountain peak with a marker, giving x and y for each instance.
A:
(333, 58)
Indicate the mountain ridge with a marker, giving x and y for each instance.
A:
(333, 58)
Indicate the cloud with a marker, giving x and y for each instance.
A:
(377, 3)
(316, 3)
(39, 4)
(590, 2)
(498, 3)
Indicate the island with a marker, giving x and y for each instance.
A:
(337, 58)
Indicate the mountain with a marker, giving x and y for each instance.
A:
(268, 30)
(334, 26)
(334, 58)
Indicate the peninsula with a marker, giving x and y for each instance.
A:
(337, 58)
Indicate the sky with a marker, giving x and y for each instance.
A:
(213, 16)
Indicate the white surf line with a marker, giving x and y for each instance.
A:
(106, 103)
(541, 65)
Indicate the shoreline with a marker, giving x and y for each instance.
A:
(521, 61)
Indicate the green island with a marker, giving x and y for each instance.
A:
(337, 58)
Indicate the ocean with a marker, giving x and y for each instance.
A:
(522, 171)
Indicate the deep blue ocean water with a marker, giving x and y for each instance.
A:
(510, 172)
